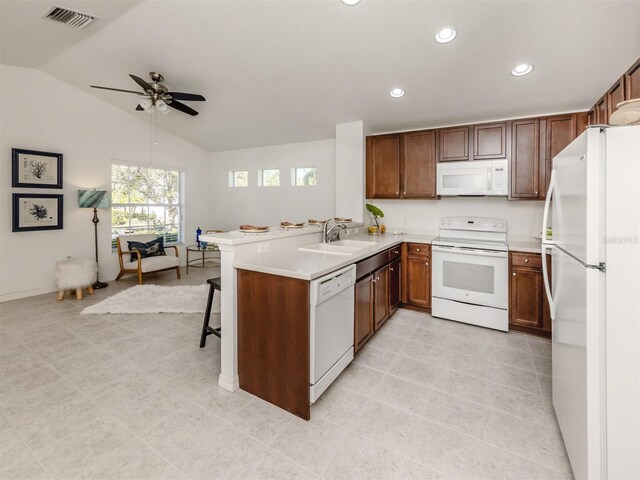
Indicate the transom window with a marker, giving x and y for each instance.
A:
(304, 176)
(269, 177)
(239, 178)
(147, 200)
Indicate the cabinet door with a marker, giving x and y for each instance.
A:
(363, 311)
(632, 82)
(380, 297)
(582, 121)
(419, 164)
(490, 141)
(419, 281)
(394, 285)
(525, 159)
(383, 166)
(614, 96)
(525, 298)
(601, 111)
(454, 144)
(591, 116)
(560, 131)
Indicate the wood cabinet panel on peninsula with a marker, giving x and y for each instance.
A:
(363, 311)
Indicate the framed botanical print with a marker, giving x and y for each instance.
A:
(34, 169)
(36, 211)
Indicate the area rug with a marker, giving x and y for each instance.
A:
(157, 299)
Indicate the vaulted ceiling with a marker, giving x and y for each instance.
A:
(280, 71)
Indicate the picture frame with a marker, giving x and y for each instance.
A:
(35, 169)
(37, 211)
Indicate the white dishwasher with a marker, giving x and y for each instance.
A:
(331, 327)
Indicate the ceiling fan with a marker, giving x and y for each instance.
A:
(158, 96)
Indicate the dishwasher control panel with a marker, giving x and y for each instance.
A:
(332, 284)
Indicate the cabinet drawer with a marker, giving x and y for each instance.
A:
(419, 249)
(531, 260)
(394, 252)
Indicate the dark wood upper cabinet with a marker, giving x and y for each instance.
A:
(559, 131)
(582, 121)
(489, 141)
(632, 82)
(601, 111)
(383, 166)
(395, 274)
(454, 144)
(525, 159)
(615, 95)
(363, 311)
(591, 116)
(419, 164)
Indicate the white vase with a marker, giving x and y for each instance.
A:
(628, 113)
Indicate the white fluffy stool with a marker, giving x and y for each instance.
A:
(75, 274)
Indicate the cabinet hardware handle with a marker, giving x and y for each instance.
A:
(395, 251)
(427, 264)
(514, 274)
(535, 193)
(526, 260)
(417, 249)
(391, 269)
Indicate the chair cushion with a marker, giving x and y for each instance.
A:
(151, 264)
(153, 248)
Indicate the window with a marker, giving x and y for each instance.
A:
(147, 200)
(269, 178)
(239, 178)
(305, 176)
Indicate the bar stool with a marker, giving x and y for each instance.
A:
(214, 284)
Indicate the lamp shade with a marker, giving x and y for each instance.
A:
(94, 199)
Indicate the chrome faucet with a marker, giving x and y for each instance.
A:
(326, 230)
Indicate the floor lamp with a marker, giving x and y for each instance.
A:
(95, 199)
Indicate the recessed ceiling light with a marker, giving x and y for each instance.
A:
(397, 93)
(522, 69)
(445, 35)
(351, 2)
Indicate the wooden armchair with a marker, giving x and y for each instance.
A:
(145, 265)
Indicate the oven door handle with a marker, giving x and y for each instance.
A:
(467, 251)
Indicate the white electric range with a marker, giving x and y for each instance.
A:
(470, 272)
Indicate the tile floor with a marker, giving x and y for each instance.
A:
(132, 396)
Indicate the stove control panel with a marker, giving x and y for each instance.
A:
(476, 224)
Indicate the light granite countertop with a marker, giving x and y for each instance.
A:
(311, 265)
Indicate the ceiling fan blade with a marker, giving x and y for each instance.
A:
(139, 107)
(119, 90)
(182, 107)
(189, 97)
(142, 83)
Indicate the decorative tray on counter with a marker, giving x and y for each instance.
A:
(289, 225)
(253, 229)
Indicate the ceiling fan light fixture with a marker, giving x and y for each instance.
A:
(146, 104)
(161, 106)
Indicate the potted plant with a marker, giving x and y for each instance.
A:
(375, 213)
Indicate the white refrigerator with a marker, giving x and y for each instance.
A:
(594, 207)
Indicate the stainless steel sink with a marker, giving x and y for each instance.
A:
(341, 247)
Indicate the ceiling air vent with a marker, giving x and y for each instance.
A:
(69, 17)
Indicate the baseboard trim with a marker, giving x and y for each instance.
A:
(7, 297)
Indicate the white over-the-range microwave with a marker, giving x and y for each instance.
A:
(473, 178)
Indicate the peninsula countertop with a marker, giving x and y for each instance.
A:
(311, 265)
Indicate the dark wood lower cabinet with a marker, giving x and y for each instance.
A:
(528, 307)
(363, 311)
(380, 297)
(419, 281)
(395, 276)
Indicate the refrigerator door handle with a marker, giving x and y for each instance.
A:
(545, 278)
(547, 205)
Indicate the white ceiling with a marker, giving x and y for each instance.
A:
(280, 71)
